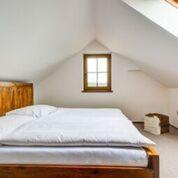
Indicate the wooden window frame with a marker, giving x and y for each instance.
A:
(173, 2)
(108, 88)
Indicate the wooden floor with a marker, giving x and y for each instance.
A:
(167, 146)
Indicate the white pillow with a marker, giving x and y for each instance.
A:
(34, 111)
(11, 122)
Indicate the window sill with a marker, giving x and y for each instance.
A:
(97, 91)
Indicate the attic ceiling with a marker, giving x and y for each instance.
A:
(160, 12)
(37, 35)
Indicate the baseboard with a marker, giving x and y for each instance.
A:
(138, 122)
(141, 122)
(173, 126)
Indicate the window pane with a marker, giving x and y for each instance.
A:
(102, 64)
(92, 64)
(102, 79)
(92, 79)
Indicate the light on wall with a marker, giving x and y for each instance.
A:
(173, 2)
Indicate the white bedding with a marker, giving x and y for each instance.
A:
(11, 122)
(78, 127)
(74, 156)
(34, 111)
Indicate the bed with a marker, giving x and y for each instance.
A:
(48, 142)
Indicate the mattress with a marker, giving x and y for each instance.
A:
(108, 156)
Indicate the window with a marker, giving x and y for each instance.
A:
(173, 2)
(97, 72)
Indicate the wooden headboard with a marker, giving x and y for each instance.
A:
(15, 95)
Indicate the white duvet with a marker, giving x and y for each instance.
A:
(78, 127)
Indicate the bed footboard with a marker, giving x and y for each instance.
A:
(153, 157)
(59, 171)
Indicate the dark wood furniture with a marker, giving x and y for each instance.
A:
(15, 95)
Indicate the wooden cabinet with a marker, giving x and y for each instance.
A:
(15, 95)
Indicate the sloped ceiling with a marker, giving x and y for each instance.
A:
(129, 33)
(37, 35)
(159, 11)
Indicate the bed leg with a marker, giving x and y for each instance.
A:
(154, 165)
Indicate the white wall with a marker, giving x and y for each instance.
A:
(173, 106)
(134, 92)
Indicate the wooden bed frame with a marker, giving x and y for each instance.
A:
(22, 95)
(62, 171)
(15, 95)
